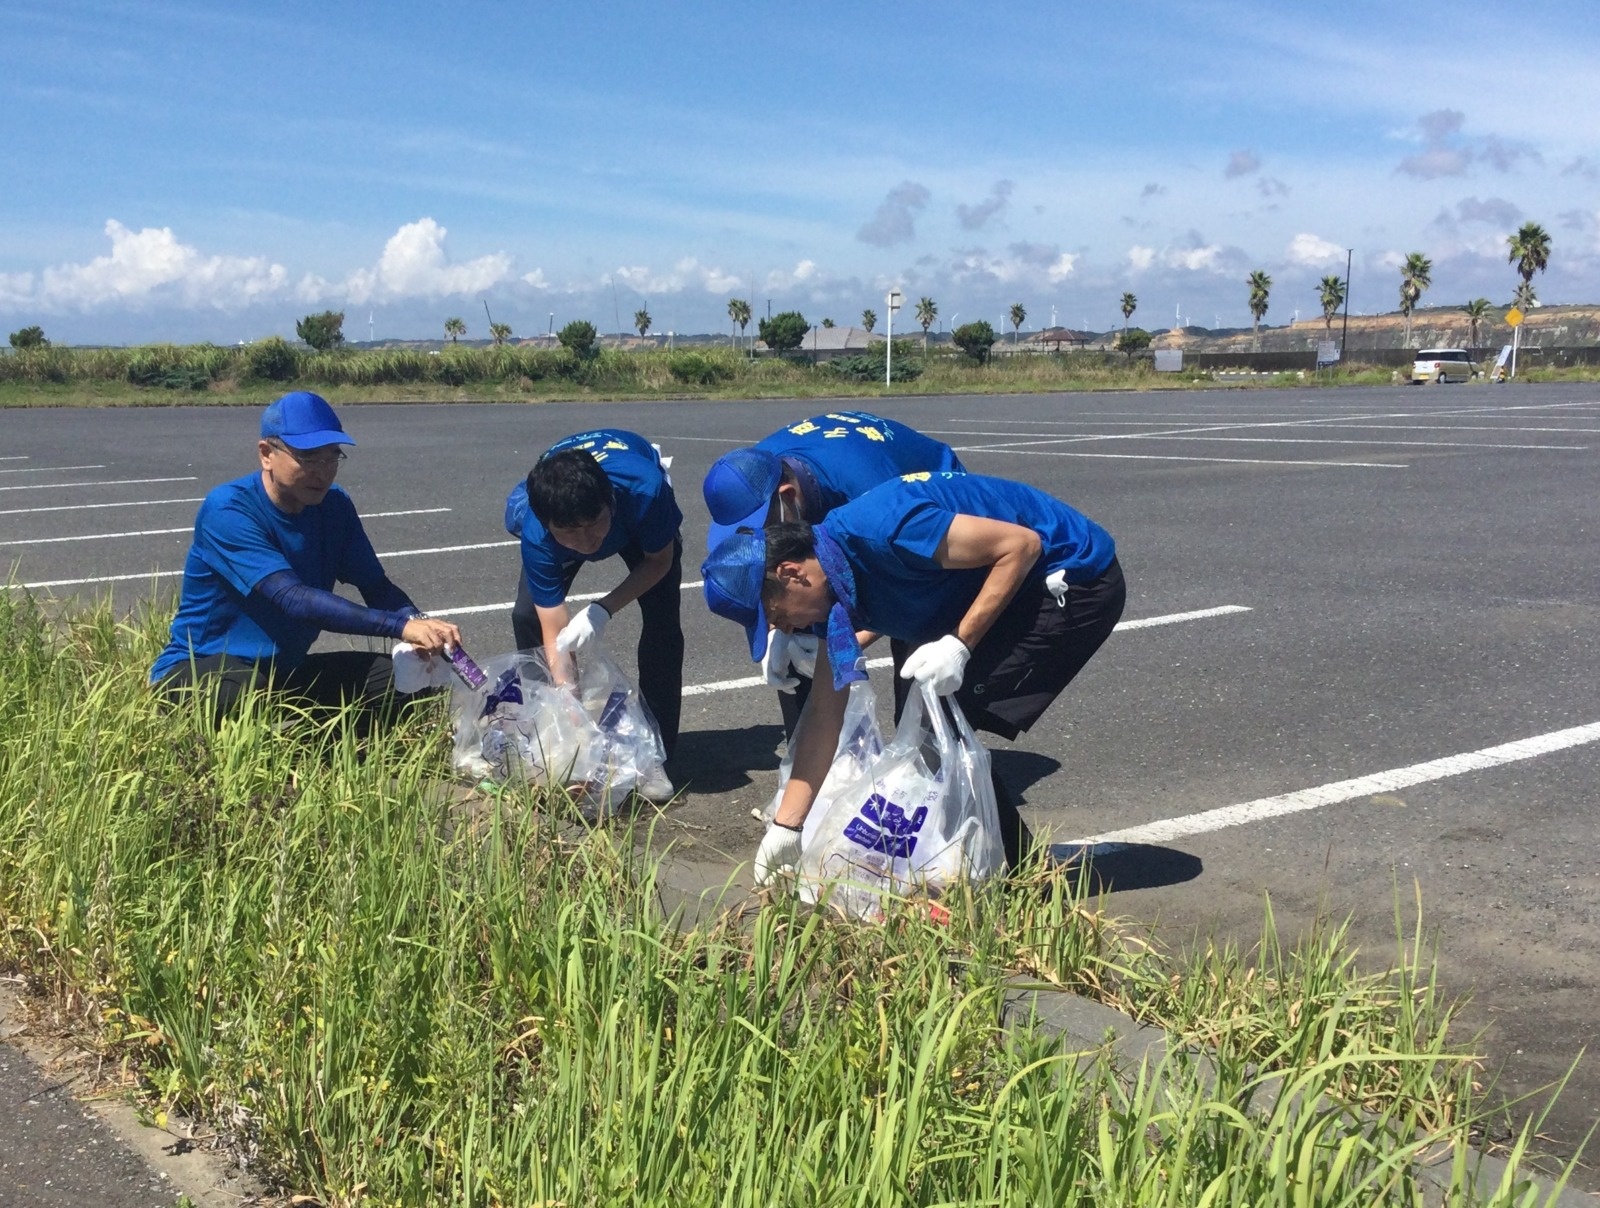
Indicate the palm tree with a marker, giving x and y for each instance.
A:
(1416, 274)
(739, 312)
(927, 312)
(869, 320)
(1524, 298)
(1260, 286)
(1330, 292)
(1476, 311)
(1530, 251)
(1129, 305)
(1018, 315)
(454, 328)
(501, 332)
(641, 320)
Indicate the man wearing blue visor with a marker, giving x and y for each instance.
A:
(803, 472)
(1004, 591)
(258, 582)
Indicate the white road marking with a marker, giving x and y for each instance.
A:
(111, 482)
(188, 528)
(78, 507)
(1170, 829)
(15, 457)
(1243, 461)
(757, 681)
(471, 609)
(449, 549)
(48, 469)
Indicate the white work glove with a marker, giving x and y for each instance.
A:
(775, 662)
(940, 665)
(780, 849)
(803, 654)
(584, 628)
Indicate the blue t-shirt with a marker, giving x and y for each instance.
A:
(850, 452)
(645, 511)
(240, 538)
(890, 535)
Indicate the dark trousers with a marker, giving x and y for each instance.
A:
(660, 637)
(326, 681)
(1035, 648)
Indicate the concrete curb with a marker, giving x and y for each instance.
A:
(699, 890)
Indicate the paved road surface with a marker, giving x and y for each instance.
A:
(1324, 586)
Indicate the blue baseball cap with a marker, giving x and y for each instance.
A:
(733, 575)
(303, 420)
(740, 485)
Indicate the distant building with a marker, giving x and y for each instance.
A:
(825, 343)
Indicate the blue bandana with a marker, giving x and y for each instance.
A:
(844, 652)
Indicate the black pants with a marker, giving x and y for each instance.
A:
(660, 637)
(326, 681)
(1035, 648)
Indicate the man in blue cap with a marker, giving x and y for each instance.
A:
(591, 496)
(258, 581)
(803, 472)
(1004, 591)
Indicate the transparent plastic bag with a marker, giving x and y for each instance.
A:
(593, 735)
(916, 819)
(860, 742)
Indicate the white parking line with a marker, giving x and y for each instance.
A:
(1175, 618)
(472, 609)
(1170, 829)
(188, 528)
(48, 469)
(449, 549)
(79, 507)
(1243, 461)
(109, 482)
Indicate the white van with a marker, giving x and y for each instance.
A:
(1440, 365)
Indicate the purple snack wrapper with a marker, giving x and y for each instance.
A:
(471, 674)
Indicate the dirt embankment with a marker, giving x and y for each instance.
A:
(1435, 327)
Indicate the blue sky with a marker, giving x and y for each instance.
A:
(189, 170)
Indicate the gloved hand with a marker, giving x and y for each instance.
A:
(939, 664)
(584, 628)
(775, 662)
(803, 654)
(780, 848)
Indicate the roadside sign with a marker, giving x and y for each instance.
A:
(1327, 353)
(1514, 317)
(1169, 360)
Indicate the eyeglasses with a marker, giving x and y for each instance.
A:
(322, 459)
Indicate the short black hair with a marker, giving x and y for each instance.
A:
(791, 541)
(568, 489)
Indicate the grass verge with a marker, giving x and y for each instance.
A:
(380, 996)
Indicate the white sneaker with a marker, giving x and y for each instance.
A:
(657, 789)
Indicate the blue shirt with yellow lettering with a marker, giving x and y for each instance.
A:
(646, 511)
(850, 452)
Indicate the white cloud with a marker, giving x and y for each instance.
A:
(1141, 258)
(687, 273)
(149, 265)
(1191, 259)
(803, 273)
(1313, 251)
(1062, 268)
(413, 265)
(536, 279)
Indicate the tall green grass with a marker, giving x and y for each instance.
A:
(384, 991)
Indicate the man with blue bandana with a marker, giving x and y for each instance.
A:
(591, 496)
(1005, 592)
(802, 472)
(258, 582)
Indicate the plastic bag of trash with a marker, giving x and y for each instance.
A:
(916, 819)
(860, 742)
(591, 732)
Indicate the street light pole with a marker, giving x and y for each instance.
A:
(891, 304)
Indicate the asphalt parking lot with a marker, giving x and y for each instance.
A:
(1358, 664)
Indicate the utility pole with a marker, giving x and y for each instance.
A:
(1345, 333)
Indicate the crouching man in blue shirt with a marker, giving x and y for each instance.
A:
(803, 472)
(1004, 591)
(258, 581)
(591, 496)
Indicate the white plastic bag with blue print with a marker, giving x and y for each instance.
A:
(592, 734)
(860, 744)
(917, 819)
